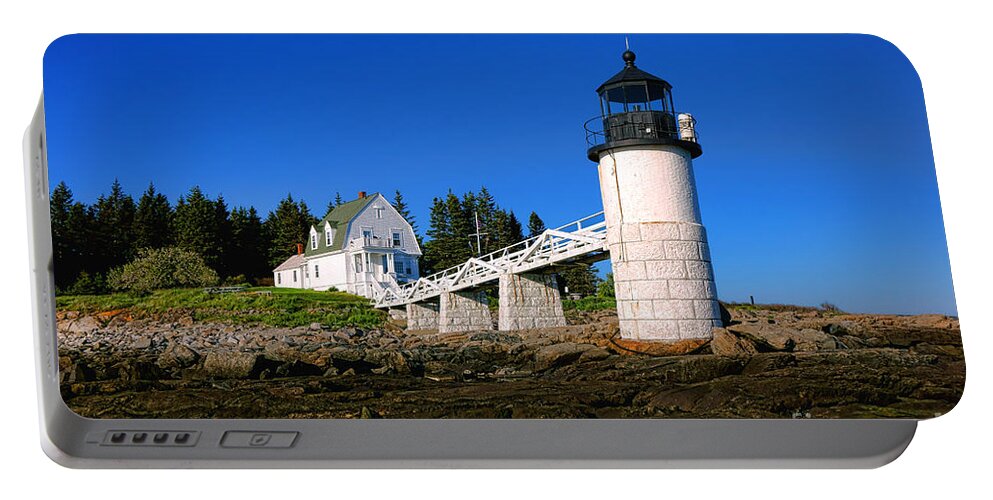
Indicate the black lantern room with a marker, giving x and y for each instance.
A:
(636, 109)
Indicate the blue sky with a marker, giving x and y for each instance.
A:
(817, 181)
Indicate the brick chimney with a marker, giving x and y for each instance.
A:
(299, 248)
(361, 194)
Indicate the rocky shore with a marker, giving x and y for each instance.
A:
(782, 363)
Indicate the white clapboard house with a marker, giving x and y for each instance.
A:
(361, 246)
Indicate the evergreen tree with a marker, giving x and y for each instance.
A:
(490, 222)
(579, 278)
(451, 225)
(152, 221)
(462, 224)
(246, 246)
(284, 228)
(309, 217)
(536, 226)
(79, 236)
(337, 199)
(112, 238)
(223, 224)
(439, 230)
(198, 226)
(505, 230)
(401, 207)
(515, 233)
(66, 250)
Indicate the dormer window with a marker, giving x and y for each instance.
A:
(313, 241)
(328, 236)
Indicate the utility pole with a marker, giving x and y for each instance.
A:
(479, 236)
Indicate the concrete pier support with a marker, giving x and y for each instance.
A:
(529, 301)
(465, 311)
(422, 316)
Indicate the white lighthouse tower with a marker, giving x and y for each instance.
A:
(663, 277)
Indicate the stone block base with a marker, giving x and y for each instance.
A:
(464, 312)
(663, 281)
(529, 301)
(422, 316)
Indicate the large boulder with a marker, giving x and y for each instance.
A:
(83, 326)
(809, 339)
(177, 356)
(561, 354)
(766, 337)
(388, 361)
(230, 364)
(777, 338)
(726, 343)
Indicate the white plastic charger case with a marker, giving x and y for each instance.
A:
(637, 126)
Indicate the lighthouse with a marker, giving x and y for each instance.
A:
(644, 149)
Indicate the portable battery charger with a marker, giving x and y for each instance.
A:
(197, 304)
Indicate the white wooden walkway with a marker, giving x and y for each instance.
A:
(562, 244)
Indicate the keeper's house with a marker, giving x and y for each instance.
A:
(361, 246)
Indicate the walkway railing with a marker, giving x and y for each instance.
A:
(564, 243)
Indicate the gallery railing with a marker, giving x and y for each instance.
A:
(646, 125)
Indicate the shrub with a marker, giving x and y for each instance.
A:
(239, 280)
(87, 284)
(829, 307)
(159, 268)
(589, 304)
(606, 287)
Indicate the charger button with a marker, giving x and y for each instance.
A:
(258, 439)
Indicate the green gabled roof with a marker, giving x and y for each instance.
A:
(339, 219)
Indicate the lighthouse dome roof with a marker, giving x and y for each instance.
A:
(631, 73)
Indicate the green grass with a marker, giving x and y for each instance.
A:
(592, 303)
(285, 307)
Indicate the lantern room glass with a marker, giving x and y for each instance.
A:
(636, 96)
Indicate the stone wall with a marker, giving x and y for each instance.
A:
(465, 311)
(529, 301)
(664, 281)
(422, 316)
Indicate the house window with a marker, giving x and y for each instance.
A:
(397, 239)
(279, 278)
(367, 233)
(386, 263)
(409, 270)
(306, 272)
(294, 275)
(358, 263)
(379, 212)
(313, 241)
(327, 236)
(317, 271)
